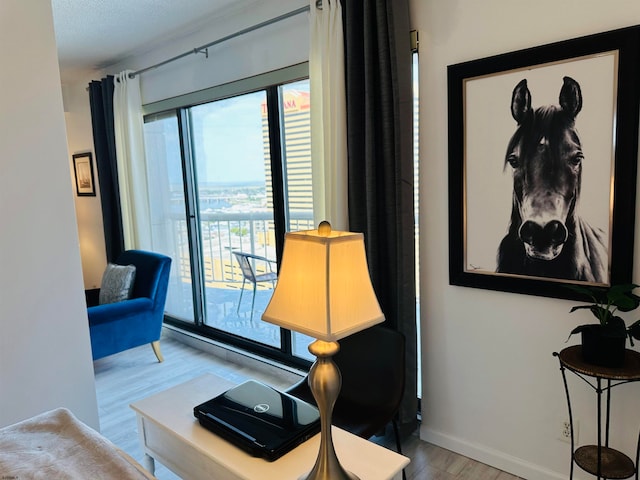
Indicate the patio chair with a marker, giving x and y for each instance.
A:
(247, 262)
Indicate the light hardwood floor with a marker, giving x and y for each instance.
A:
(129, 376)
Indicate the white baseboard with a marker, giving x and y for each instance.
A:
(481, 453)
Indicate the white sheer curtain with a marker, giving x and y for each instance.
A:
(328, 115)
(132, 167)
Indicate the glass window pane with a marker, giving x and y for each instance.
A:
(232, 164)
(167, 208)
(295, 105)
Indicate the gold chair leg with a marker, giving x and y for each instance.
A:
(156, 349)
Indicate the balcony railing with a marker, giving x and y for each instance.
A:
(221, 233)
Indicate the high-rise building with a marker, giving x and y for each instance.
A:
(296, 151)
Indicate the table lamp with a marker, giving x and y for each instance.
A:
(324, 291)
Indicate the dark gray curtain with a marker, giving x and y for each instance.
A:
(380, 158)
(104, 143)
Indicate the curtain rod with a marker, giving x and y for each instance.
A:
(204, 48)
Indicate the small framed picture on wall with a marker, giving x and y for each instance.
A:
(83, 169)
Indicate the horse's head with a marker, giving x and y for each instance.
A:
(546, 158)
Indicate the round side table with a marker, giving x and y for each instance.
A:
(600, 460)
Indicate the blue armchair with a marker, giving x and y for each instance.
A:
(119, 326)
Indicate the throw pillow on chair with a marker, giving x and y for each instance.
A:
(117, 283)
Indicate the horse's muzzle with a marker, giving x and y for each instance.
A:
(543, 242)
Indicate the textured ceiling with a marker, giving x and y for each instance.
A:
(98, 33)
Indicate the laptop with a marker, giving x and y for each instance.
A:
(259, 419)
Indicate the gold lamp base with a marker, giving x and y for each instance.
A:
(325, 382)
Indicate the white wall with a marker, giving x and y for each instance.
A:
(491, 388)
(45, 356)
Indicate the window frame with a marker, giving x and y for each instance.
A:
(179, 106)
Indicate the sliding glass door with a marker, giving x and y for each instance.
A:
(233, 168)
(167, 204)
(231, 176)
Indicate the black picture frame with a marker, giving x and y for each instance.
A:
(478, 99)
(83, 174)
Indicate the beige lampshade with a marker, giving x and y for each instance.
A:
(324, 289)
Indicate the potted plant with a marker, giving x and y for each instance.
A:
(603, 343)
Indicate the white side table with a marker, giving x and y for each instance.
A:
(170, 434)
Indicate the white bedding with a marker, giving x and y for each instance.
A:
(56, 445)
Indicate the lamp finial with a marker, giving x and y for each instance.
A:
(324, 228)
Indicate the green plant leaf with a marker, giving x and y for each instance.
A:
(634, 331)
(578, 329)
(601, 313)
(580, 307)
(623, 287)
(583, 291)
(622, 297)
(598, 311)
(581, 328)
(606, 302)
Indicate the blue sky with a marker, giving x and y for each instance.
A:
(228, 139)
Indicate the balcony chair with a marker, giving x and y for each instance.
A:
(246, 261)
(372, 364)
(137, 320)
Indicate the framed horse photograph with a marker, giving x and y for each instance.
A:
(543, 148)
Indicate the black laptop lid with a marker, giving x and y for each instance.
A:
(259, 419)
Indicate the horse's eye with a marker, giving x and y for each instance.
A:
(577, 159)
(513, 160)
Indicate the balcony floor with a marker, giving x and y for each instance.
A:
(222, 313)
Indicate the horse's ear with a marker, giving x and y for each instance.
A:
(520, 101)
(571, 97)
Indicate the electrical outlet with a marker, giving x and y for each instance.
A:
(565, 432)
